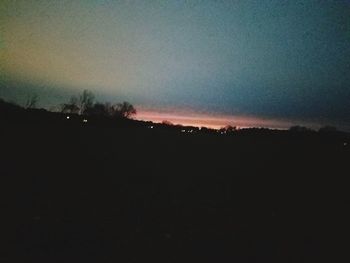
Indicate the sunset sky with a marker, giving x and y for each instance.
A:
(249, 63)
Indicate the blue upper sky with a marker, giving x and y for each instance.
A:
(268, 58)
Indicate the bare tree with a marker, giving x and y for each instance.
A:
(110, 109)
(71, 106)
(86, 100)
(124, 110)
(31, 101)
(85, 105)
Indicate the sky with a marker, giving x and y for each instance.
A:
(266, 62)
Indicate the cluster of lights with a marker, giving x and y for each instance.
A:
(189, 131)
(84, 120)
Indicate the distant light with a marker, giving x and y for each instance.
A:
(151, 127)
(85, 120)
(345, 143)
(67, 117)
(183, 130)
(222, 133)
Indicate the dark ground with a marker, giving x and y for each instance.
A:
(125, 193)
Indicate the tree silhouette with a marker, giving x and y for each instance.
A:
(71, 107)
(228, 129)
(124, 110)
(31, 101)
(85, 105)
(110, 109)
(86, 100)
(98, 109)
(167, 123)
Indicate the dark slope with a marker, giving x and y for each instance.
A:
(122, 192)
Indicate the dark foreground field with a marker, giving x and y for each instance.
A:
(99, 193)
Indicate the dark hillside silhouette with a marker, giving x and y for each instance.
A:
(94, 188)
(9, 107)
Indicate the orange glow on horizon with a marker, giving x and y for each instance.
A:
(210, 121)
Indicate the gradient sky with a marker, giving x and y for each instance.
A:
(283, 60)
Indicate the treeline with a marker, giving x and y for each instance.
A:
(85, 104)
